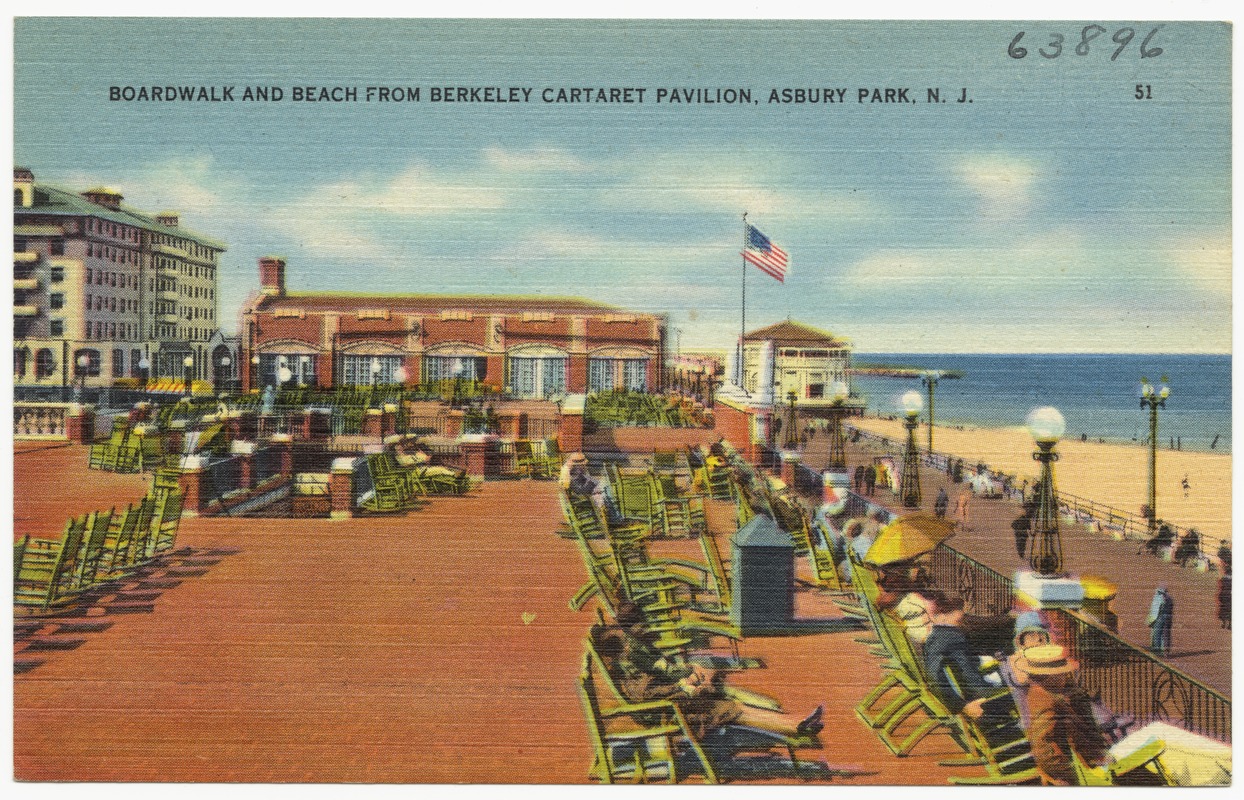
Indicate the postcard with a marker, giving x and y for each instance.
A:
(418, 401)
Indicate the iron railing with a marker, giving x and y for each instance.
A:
(1127, 678)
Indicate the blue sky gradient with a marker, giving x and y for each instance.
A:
(1054, 213)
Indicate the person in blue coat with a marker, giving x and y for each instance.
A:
(1161, 618)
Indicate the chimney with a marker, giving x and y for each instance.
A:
(168, 219)
(23, 187)
(272, 275)
(103, 196)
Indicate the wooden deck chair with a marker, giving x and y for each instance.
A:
(603, 581)
(391, 491)
(732, 739)
(632, 492)
(550, 460)
(122, 547)
(100, 533)
(524, 458)
(666, 462)
(1147, 757)
(678, 517)
(45, 576)
(635, 742)
(165, 522)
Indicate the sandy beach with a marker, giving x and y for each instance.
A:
(1112, 474)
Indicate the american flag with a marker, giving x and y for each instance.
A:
(766, 255)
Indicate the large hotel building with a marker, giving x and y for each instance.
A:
(530, 346)
(102, 291)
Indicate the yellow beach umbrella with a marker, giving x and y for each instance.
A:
(908, 537)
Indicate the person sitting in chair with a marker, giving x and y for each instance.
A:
(1062, 722)
(643, 673)
(576, 480)
(415, 456)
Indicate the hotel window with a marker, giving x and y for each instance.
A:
(537, 377)
(301, 368)
(57, 327)
(136, 357)
(358, 370)
(45, 363)
(118, 363)
(467, 368)
(58, 274)
(605, 374)
(58, 247)
(21, 356)
(56, 300)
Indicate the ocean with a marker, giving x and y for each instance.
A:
(1098, 394)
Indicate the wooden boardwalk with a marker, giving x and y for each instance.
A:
(433, 647)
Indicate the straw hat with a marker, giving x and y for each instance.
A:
(1048, 659)
(576, 458)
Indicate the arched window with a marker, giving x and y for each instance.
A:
(91, 366)
(21, 357)
(45, 363)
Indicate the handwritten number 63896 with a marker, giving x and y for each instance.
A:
(1122, 37)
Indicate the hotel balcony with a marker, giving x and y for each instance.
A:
(168, 294)
(25, 311)
(25, 257)
(25, 284)
(173, 317)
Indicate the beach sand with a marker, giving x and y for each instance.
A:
(1111, 474)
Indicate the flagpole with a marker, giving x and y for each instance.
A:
(742, 317)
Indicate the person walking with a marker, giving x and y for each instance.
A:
(1160, 620)
(963, 509)
(1185, 484)
(859, 479)
(939, 505)
(1224, 597)
(1021, 526)
(870, 479)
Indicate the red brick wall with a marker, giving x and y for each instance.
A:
(351, 329)
(439, 331)
(270, 328)
(576, 374)
(634, 334)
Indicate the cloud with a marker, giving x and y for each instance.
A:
(1205, 261)
(534, 160)
(1002, 184)
(723, 183)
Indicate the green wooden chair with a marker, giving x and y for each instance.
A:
(100, 534)
(45, 571)
(159, 534)
(635, 742)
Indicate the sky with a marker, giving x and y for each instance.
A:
(1054, 213)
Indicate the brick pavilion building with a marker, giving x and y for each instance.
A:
(531, 346)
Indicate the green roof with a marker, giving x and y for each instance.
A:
(51, 200)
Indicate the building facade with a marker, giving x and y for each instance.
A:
(790, 357)
(102, 291)
(530, 346)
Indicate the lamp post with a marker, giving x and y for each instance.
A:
(1046, 425)
(255, 371)
(1153, 400)
(81, 364)
(838, 393)
(930, 379)
(225, 363)
(375, 376)
(792, 435)
(188, 363)
(144, 370)
(909, 488)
